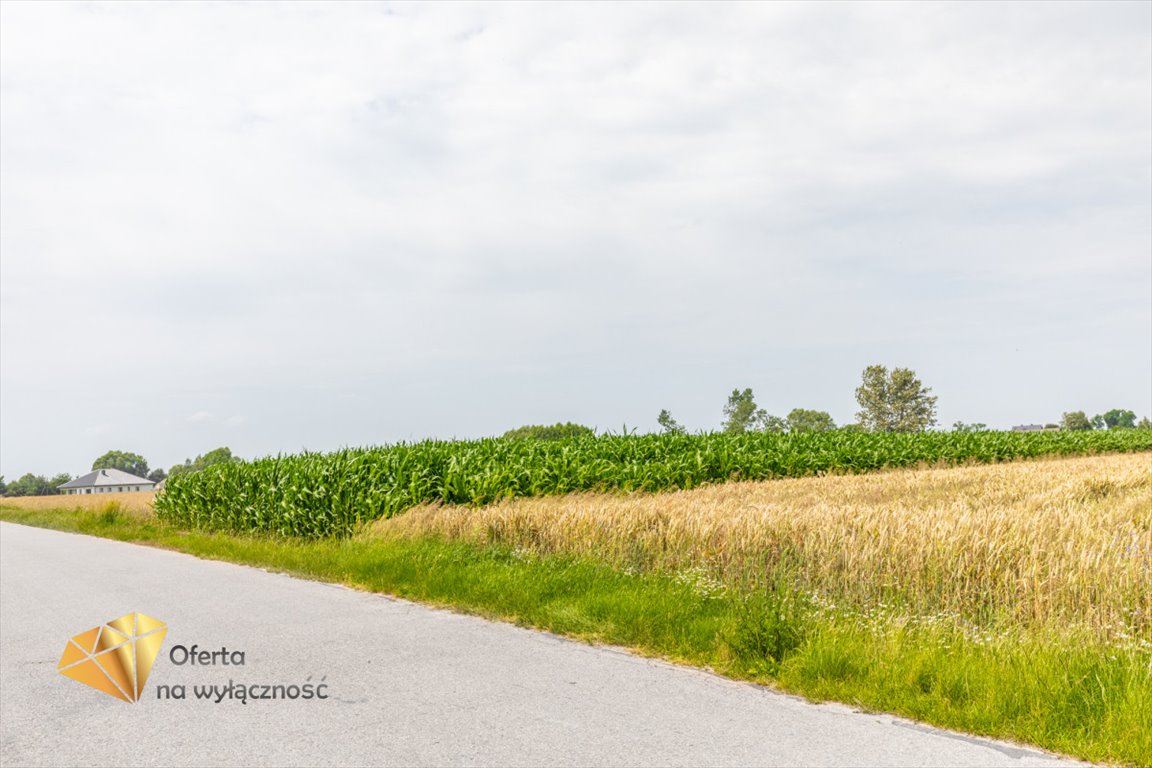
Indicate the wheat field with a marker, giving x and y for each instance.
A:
(1047, 543)
(139, 502)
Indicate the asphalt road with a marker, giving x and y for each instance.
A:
(407, 685)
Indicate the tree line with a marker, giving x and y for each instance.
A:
(1113, 419)
(125, 461)
(890, 401)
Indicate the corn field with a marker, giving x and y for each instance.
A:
(333, 494)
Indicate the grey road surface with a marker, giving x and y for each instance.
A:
(407, 684)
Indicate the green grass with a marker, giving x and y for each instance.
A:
(1046, 688)
(333, 494)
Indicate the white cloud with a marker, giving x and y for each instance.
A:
(470, 216)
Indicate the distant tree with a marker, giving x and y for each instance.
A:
(668, 424)
(896, 402)
(157, 475)
(1051, 426)
(31, 485)
(766, 422)
(1075, 420)
(58, 481)
(132, 463)
(1115, 419)
(22, 486)
(741, 413)
(3, 487)
(803, 420)
(553, 432)
(851, 428)
(960, 426)
(221, 455)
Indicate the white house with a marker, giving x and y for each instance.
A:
(106, 481)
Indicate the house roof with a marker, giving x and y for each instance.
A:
(102, 477)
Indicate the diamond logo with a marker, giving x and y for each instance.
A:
(115, 658)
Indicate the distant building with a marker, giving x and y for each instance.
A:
(106, 481)
(1036, 428)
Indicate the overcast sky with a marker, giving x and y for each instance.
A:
(278, 227)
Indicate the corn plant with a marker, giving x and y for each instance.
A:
(316, 495)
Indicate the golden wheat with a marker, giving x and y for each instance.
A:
(1052, 542)
(138, 502)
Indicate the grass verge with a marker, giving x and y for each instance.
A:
(1068, 694)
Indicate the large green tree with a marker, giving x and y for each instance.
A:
(894, 402)
(1075, 420)
(132, 463)
(1115, 419)
(804, 420)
